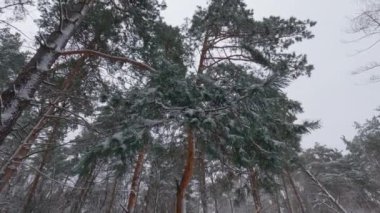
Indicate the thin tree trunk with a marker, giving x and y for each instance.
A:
(10, 168)
(324, 190)
(15, 99)
(295, 190)
(136, 180)
(255, 190)
(232, 206)
(113, 195)
(202, 178)
(187, 173)
(104, 203)
(287, 199)
(278, 205)
(45, 157)
(216, 206)
(147, 199)
(84, 184)
(215, 198)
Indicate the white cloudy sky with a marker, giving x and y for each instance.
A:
(332, 94)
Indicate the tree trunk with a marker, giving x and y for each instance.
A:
(295, 190)
(187, 173)
(287, 199)
(232, 205)
(324, 190)
(202, 178)
(216, 208)
(83, 184)
(19, 94)
(255, 190)
(10, 168)
(278, 205)
(113, 195)
(136, 180)
(45, 157)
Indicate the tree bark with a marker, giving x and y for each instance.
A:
(287, 199)
(232, 205)
(19, 94)
(216, 208)
(187, 173)
(295, 190)
(202, 178)
(45, 157)
(83, 184)
(278, 205)
(255, 190)
(113, 195)
(10, 168)
(324, 190)
(136, 180)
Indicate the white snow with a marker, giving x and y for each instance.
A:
(8, 112)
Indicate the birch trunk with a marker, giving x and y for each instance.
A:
(324, 190)
(10, 168)
(19, 94)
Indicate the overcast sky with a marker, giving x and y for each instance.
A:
(332, 94)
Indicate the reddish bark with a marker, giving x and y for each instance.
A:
(136, 180)
(87, 52)
(45, 157)
(187, 173)
(202, 179)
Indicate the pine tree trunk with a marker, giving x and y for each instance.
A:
(113, 195)
(295, 190)
(216, 208)
(278, 205)
(17, 97)
(84, 184)
(136, 180)
(255, 190)
(324, 190)
(287, 199)
(187, 173)
(45, 157)
(232, 206)
(147, 200)
(10, 168)
(104, 204)
(202, 179)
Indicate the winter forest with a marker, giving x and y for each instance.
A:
(115, 110)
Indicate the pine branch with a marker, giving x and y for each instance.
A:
(88, 52)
